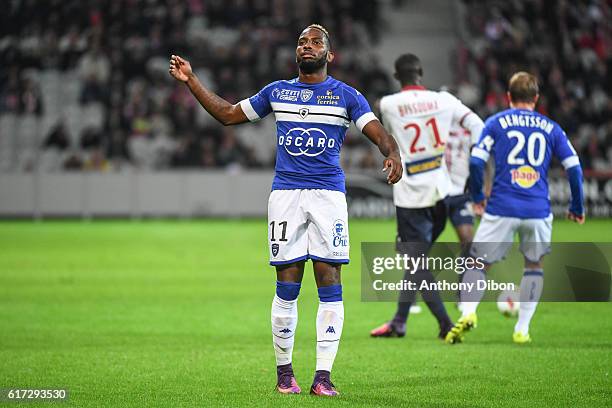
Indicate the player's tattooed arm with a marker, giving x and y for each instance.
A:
(219, 108)
(388, 147)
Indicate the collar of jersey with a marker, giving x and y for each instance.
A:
(297, 82)
(414, 88)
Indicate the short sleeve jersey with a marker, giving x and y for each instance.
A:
(311, 123)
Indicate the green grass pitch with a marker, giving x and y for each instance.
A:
(177, 313)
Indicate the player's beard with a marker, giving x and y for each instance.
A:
(310, 66)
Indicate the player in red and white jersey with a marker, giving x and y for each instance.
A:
(457, 159)
(420, 121)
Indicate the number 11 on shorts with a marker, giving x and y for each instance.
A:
(282, 224)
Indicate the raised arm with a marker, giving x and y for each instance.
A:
(388, 147)
(219, 108)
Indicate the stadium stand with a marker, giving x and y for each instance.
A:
(86, 81)
(84, 84)
(567, 44)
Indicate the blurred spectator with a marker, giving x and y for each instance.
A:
(112, 53)
(117, 150)
(55, 147)
(73, 162)
(567, 44)
(30, 98)
(96, 161)
(189, 153)
(90, 138)
(468, 93)
(58, 138)
(94, 72)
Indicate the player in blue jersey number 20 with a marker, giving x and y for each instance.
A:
(307, 213)
(522, 143)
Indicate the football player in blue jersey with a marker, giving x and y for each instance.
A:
(522, 142)
(307, 213)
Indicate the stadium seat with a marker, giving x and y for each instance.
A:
(28, 132)
(93, 115)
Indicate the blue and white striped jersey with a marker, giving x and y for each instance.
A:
(311, 123)
(523, 143)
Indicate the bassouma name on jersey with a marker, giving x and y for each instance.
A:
(417, 107)
(506, 121)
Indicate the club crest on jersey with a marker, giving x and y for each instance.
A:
(304, 112)
(340, 234)
(309, 142)
(306, 94)
(525, 176)
(275, 248)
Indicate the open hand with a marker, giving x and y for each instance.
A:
(180, 68)
(394, 167)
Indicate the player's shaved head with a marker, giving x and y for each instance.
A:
(408, 69)
(523, 87)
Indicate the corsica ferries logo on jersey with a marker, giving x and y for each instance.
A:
(305, 142)
(525, 176)
(328, 99)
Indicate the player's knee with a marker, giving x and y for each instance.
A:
(327, 279)
(466, 234)
(327, 274)
(533, 265)
(288, 290)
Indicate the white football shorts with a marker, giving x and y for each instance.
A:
(495, 236)
(307, 224)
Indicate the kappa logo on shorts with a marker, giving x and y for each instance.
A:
(275, 248)
(340, 234)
